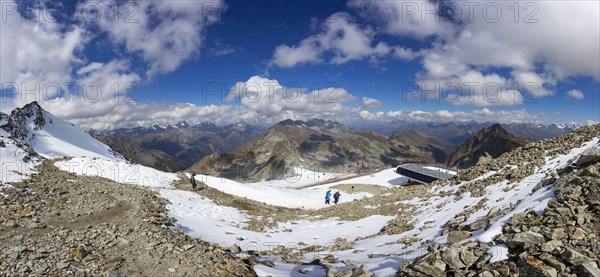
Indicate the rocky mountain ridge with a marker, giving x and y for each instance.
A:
(319, 145)
(458, 132)
(175, 148)
(16, 123)
(179, 146)
(488, 143)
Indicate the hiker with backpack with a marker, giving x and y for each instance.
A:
(193, 179)
(327, 197)
(336, 197)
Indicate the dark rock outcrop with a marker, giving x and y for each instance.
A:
(492, 142)
(16, 123)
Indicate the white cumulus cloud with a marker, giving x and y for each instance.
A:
(343, 39)
(479, 46)
(575, 94)
(164, 33)
(371, 103)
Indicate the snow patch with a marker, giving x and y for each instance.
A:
(14, 164)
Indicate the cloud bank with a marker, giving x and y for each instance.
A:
(470, 60)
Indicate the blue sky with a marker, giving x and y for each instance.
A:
(369, 61)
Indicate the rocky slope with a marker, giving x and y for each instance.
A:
(175, 148)
(560, 241)
(316, 144)
(488, 143)
(137, 154)
(422, 144)
(60, 224)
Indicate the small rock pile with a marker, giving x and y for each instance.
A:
(462, 260)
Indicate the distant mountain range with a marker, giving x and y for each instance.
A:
(175, 148)
(459, 132)
(246, 152)
(243, 151)
(321, 145)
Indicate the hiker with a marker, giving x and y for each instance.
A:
(193, 181)
(336, 197)
(327, 197)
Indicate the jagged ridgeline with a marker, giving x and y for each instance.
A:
(552, 232)
(244, 151)
(319, 145)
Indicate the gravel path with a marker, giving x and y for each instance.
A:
(61, 224)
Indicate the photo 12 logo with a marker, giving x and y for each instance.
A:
(91, 92)
(469, 11)
(471, 93)
(118, 171)
(87, 11)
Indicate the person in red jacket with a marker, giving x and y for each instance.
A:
(336, 197)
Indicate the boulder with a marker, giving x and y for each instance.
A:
(535, 267)
(574, 257)
(451, 256)
(430, 266)
(467, 256)
(485, 274)
(377, 255)
(457, 236)
(553, 262)
(549, 246)
(525, 240)
(590, 268)
(588, 156)
(344, 272)
(361, 271)
(478, 224)
(235, 249)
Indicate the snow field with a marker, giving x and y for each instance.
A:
(203, 218)
(304, 177)
(59, 138)
(310, 198)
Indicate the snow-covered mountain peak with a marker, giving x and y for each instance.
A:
(22, 121)
(157, 127)
(182, 124)
(50, 136)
